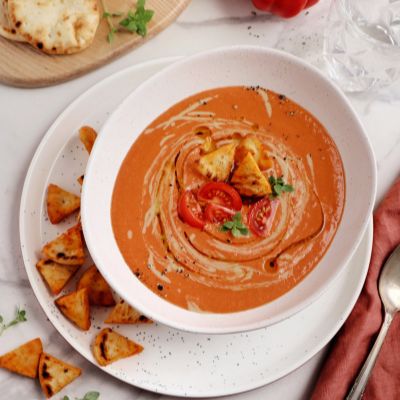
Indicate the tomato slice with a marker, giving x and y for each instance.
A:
(190, 211)
(221, 194)
(217, 214)
(261, 216)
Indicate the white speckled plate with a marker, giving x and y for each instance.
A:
(173, 362)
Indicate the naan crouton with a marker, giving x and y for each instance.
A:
(88, 136)
(123, 313)
(60, 203)
(249, 180)
(55, 374)
(23, 360)
(67, 248)
(100, 293)
(218, 164)
(110, 346)
(56, 275)
(75, 306)
(251, 144)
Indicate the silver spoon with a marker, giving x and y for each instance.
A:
(389, 290)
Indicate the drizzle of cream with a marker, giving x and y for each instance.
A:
(193, 306)
(264, 95)
(129, 234)
(155, 271)
(310, 163)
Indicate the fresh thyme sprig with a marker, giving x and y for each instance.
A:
(20, 316)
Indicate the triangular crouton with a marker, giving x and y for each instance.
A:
(87, 135)
(80, 179)
(24, 359)
(75, 306)
(56, 275)
(100, 293)
(55, 374)
(248, 179)
(123, 313)
(110, 346)
(67, 248)
(60, 203)
(218, 164)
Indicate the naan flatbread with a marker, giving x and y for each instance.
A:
(55, 26)
(7, 30)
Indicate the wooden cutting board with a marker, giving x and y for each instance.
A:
(24, 66)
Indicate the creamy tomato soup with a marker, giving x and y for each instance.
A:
(228, 199)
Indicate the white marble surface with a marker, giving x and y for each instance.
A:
(25, 116)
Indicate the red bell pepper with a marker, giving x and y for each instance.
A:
(284, 8)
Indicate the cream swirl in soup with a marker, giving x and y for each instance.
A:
(228, 199)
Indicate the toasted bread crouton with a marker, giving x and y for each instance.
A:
(56, 275)
(100, 293)
(218, 164)
(75, 306)
(249, 180)
(23, 360)
(67, 248)
(80, 179)
(208, 145)
(55, 374)
(87, 135)
(110, 346)
(123, 313)
(60, 203)
(249, 144)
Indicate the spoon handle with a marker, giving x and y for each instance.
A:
(361, 381)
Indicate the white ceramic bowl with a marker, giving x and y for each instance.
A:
(240, 65)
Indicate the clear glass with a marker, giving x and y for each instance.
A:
(362, 43)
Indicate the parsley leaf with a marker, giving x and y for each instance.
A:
(279, 186)
(137, 21)
(88, 396)
(20, 316)
(91, 396)
(236, 226)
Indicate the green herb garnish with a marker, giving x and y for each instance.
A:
(20, 316)
(137, 21)
(107, 14)
(236, 226)
(279, 186)
(87, 396)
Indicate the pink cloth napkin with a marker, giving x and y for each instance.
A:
(353, 342)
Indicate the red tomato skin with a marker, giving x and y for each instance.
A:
(220, 193)
(194, 219)
(284, 8)
(270, 210)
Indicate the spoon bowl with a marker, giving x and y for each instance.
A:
(389, 282)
